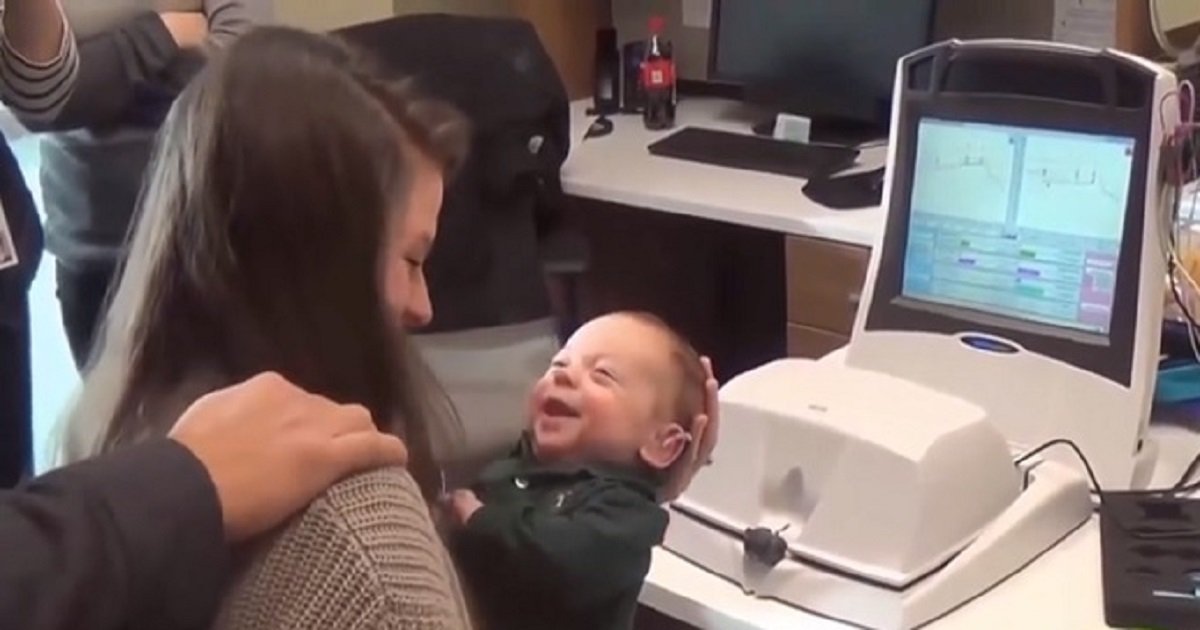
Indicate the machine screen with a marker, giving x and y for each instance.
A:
(1017, 221)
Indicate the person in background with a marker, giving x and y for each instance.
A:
(135, 57)
(38, 68)
(142, 535)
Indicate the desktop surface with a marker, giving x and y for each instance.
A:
(618, 169)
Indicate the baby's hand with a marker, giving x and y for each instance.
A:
(462, 504)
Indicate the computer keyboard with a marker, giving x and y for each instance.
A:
(754, 153)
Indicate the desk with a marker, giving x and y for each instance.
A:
(1059, 590)
(617, 168)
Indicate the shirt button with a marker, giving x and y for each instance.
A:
(521, 482)
(535, 144)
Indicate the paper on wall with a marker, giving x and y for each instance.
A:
(1086, 22)
(8, 251)
(697, 13)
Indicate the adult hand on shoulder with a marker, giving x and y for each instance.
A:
(705, 428)
(189, 29)
(270, 448)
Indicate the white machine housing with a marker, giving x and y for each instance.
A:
(897, 502)
(1031, 395)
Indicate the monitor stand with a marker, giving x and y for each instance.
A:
(841, 132)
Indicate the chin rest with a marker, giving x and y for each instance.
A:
(868, 473)
(858, 495)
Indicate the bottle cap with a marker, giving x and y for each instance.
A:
(657, 24)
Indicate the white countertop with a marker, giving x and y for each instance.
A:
(617, 168)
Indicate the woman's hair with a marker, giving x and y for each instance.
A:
(259, 243)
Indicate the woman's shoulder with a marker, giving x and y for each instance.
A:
(363, 555)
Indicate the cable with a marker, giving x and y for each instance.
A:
(1188, 472)
(1027, 455)
(1139, 532)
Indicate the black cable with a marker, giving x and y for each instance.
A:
(1078, 453)
(1180, 487)
(1141, 533)
(1187, 473)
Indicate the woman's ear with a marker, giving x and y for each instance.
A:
(665, 446)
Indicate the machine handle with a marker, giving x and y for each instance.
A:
(1026, 53)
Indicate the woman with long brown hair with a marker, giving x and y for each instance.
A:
(286, 217)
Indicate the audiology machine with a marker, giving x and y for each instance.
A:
(1014, 297)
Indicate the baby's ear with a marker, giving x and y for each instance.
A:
(665, 446)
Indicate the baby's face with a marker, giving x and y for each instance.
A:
(604, 395)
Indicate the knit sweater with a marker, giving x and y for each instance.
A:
(364, 556)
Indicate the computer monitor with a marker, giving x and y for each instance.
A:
(1018, 226)
(833, 61)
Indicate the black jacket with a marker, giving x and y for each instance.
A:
(505, 216)
(16, 408)
(26, 229)
(131, 540)
(559, 546)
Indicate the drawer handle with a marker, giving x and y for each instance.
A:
(854, 298)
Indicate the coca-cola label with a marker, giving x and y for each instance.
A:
(658, 73)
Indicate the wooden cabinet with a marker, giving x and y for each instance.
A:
(824, 286)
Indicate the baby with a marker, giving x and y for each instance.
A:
(559, 534)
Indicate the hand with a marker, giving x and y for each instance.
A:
(189, 29)
(705, 427)
(462, 504)
(270, 448)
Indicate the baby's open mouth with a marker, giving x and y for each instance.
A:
(558, 407)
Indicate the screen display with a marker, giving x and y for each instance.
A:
(1019, 222)
(819, 57)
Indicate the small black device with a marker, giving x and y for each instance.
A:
(754, 153)
(834, 62)
(606, 88)
(848, 191)
(1150, 558)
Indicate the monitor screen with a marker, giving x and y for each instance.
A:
(819, 58)
(1019, 222)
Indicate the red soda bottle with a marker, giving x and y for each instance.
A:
(658, 79)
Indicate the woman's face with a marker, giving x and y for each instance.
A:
(409, 239)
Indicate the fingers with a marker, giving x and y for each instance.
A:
(347, 419)
(366, 450)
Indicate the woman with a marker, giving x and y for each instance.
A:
(289, 210)
(287, 215)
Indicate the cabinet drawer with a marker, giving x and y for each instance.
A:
(810, 343)
(824, 282)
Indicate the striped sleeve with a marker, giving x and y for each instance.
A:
(37, 90)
